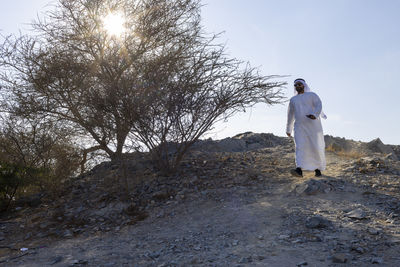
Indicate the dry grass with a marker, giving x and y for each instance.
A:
(352, 154)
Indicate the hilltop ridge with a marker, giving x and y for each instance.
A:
(233, 203)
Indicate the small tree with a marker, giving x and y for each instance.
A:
(162, 81)
(202, 87)
(12, 178)
(34, 156)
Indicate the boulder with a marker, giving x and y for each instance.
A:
(316, 222)
(376, 145)
(312, 187)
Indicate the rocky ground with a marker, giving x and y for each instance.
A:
(233, 204)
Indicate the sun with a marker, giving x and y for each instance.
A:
(113, 23)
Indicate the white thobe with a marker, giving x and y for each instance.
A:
(308, 134)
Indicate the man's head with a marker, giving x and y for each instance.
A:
(299, 85)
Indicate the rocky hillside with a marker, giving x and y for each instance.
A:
(233, 203)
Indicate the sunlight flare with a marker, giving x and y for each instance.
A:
(113, 23)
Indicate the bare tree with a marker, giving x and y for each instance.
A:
(163, 81)
(202, 87)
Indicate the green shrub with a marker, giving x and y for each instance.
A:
(35, 157)
(13, 178)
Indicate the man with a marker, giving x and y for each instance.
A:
(304, 112)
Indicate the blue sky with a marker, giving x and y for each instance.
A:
(347, 50)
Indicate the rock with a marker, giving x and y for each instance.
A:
(67, 233)
(161, 195)
(282, 237)
(298, 241)
(259, 257)
(377, 260)
(357, 214)
(390, 221)
(242, 142)
(28, 235)
(301, 188)
(44, 225)
(359, 249)
(349, 169)
(154, 255)
(245, 260)
(311, 187)
(339, 258)
(231, 145)
(303, 263)
(55, 260)
(377, 145)
(396, 241)
(315, 238)
(373, 231)
(194, 260)
(110, 209)
(317, 222)
(131, 210)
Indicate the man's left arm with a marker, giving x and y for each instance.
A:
(317, 107)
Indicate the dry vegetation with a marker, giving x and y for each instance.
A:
(158, 87)
(345, 154)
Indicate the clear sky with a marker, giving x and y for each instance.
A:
(348, 51)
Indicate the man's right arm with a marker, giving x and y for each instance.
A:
(290, 119)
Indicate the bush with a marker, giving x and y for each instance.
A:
(34, 156)
(13, 178)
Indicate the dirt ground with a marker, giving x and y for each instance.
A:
(238, 209)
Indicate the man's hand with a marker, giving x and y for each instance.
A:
(311, 117)
(288, 134)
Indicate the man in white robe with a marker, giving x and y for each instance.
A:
(304, 117)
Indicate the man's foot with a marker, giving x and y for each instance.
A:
(317, 173)
(296, 172)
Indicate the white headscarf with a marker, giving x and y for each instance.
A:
(307, 89)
